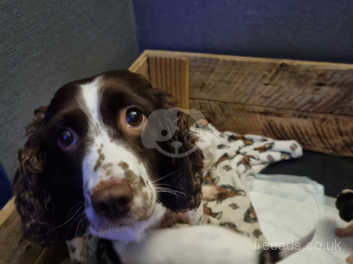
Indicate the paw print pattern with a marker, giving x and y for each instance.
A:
(232, 227)
(209, 179)
(227, 168)
(264, 147)
(227, 191)
(208, 211)
(257, 233)
(250, 215)
(234, 206)
(246, 160)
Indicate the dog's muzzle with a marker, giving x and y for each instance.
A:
(112, 198)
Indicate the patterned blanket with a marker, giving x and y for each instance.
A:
(231, 162)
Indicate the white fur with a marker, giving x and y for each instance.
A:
(115, 152)
(133, 233)
(199, 244)
(78, 249)
(190, 244)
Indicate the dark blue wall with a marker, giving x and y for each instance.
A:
(312, 29)
(5, 187)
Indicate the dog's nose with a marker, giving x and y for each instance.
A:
(112, 198)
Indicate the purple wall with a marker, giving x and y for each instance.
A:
(311, 30)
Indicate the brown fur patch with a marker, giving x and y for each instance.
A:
(123, 165)
(101, 158)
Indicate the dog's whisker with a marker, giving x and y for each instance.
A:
(71, 218)
(171, 191)
(80, 223)
(166, 175)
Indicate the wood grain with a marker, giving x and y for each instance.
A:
(171, 74)
(311, 102)
(327, 133)
(309, 88)
(14, 249)
(140, 65)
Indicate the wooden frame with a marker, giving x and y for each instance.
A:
(311, 102)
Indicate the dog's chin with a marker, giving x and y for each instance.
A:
(126, 230)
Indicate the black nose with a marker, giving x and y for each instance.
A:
(112, 199)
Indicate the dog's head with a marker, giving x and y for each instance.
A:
(85, 163)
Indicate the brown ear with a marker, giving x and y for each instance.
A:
(189, 178)
(31, 156)
(186, 170)
(32, 201)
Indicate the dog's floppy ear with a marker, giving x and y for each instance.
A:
(188, 168)
(180, 175)
(33, 201)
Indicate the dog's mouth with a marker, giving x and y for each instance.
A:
(115, 209)
(125, 229)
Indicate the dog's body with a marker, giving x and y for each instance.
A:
(89, 164)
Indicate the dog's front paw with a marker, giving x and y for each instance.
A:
(172, 218)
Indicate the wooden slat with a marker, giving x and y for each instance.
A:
(6, 211)
(315, 87)
(14, 249)
(292, 86)
(140, 66)
(171, 74)
(311, 102)
(327, 133)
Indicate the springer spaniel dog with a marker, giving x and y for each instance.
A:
(91, 163)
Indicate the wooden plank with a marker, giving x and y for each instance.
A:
(315, 87)
(165, 53)
(14, 249)
(7, 210)
(311, 102)
(140, 66)
(171, 74)
(327, 133)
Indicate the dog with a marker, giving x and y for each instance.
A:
(344, 204)
(92, 163)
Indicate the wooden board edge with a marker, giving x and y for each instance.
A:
(7, 211)
(328, 65)
(140, 65)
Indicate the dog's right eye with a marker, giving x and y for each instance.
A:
(67, 139)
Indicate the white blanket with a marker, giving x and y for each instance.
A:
(288, 207)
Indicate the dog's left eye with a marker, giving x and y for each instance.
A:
(131, 120)
(134, 116)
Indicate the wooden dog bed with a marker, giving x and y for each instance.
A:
(311, 102)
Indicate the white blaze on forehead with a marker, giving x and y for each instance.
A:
(104, 154)
(91, 98)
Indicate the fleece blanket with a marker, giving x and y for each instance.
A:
(231, 163)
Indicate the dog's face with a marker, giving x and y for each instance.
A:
(85, 164)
